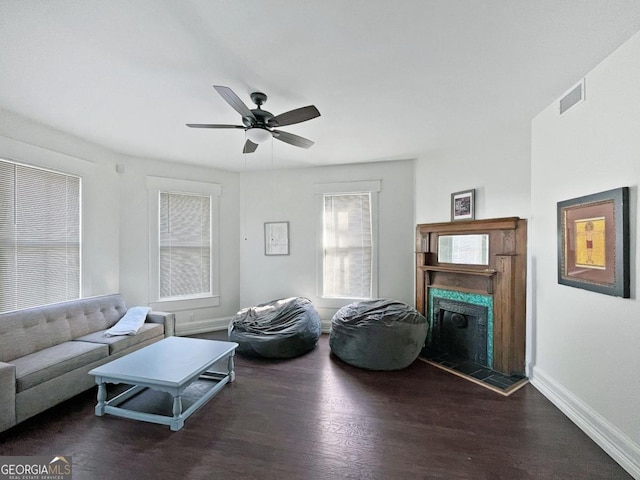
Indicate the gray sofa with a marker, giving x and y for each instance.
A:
(46, 352)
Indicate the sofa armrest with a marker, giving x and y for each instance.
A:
(7, 395)
(166, 318)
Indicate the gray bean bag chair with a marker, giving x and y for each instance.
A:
(283, 328)
(378, 334)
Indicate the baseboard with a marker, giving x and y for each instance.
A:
(617, 444)
(202, 326)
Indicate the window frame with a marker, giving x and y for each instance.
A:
(156, 185)
(371, 187)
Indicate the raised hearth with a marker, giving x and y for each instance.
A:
(461, 339)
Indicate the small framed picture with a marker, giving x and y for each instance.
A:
(276, 238)
(463, 205)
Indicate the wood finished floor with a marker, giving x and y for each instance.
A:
(314, 417)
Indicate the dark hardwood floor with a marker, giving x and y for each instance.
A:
(314, 417)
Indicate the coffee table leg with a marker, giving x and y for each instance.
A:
(177, 422)
(177, 406)
(230, 367)
(102, 397)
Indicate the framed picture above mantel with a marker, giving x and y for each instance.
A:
(463, 205)
(593, 242)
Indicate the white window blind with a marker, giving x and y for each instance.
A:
(185, 245)
(39, 236)
(348, 246)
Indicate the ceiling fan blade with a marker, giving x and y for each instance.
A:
(233, 100)
(249, 147)
(292, 139)
(294, 116)
(209, 125)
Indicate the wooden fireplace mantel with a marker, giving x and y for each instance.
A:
(504, 278)
(432, 270)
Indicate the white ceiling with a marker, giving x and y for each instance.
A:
(392, 79)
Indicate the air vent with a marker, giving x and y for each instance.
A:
(575, 96)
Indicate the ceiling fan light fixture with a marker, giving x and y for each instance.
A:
(258, 134)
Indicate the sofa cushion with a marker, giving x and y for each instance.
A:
(118, 343)
(27, 331)
(93, 314)
(52, 362)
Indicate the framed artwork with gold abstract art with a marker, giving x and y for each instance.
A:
(593, 242)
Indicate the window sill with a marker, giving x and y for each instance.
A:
(337, 302)
(177, 305)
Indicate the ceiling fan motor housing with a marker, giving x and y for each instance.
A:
(262, 117)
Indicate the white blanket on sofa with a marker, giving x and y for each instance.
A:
(130, 323)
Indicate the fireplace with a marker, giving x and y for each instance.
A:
(459, 330)
(496, 284)
(461, 327)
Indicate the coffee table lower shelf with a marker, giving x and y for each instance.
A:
(211, 382)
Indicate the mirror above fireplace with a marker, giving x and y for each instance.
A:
(464, 249)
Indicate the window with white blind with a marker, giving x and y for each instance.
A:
(348, 261)
(185, 245)
(184, 248)
(348, 246)
(40, 247)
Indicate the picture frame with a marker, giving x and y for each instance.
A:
(463, 205)
(593, 242)
(276, 238)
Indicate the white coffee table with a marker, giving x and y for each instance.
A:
(170, 365)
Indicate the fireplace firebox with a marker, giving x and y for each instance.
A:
(459, 331)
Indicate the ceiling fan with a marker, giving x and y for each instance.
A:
(259, 124)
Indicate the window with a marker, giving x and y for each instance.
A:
(185, 245)
(348, 260)
(184, 251)
(348, 246)
(39, 236)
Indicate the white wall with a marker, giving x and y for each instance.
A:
(30, 143)
(497, 165)
(116, 222)
(586, 354)
(115, 215)
(288, 195)
(135, 235)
